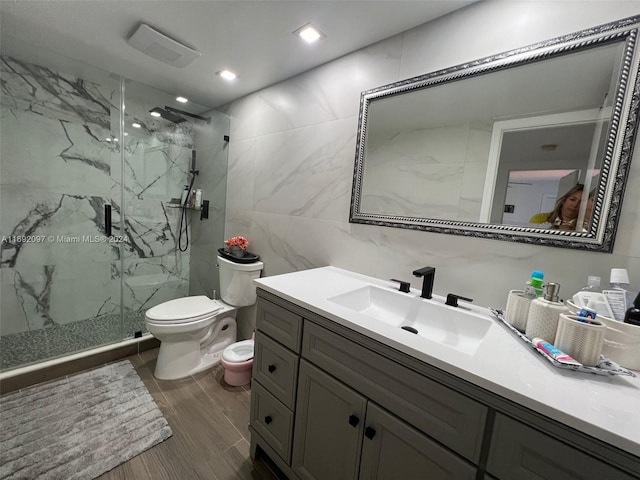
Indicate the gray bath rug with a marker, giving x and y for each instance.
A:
(78, 427)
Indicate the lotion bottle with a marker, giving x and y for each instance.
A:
(534, 287)
(544, 314)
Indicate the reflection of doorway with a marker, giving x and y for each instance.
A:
(549, 142)
(548, 202)
(565, 184)
(530, 192)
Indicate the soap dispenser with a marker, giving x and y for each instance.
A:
(544, 314)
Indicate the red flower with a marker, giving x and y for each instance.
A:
(241, 242)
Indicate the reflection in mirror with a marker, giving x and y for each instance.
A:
(448, 151)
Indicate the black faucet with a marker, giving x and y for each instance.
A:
(452, 299)
(404, 286)
(428, 274)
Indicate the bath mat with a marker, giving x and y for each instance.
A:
(78, 427)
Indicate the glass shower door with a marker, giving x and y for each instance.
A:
(60, 287)
(157, 159)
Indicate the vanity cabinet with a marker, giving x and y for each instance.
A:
(329, 403)
(329, 427)
(519, 451)
(340, 434)
(275, 378)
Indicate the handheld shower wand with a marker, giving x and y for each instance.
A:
(193, 170)
(183, 214)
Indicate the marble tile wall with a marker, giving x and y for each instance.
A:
(447, 173)
(292, 152)
(60, 164)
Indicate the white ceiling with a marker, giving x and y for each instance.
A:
(253, 38)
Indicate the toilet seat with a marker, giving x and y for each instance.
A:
(183, 310)
(238, 352)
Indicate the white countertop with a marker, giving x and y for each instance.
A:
(607, 408)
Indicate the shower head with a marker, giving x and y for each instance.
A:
(167, 115)
(187, 114)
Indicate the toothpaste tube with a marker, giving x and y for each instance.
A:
(554, 353)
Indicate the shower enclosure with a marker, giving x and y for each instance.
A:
(78, 143)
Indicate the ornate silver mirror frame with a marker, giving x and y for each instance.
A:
(614, 152)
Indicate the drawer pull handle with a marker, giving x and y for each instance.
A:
(268, 419)
(271, 368)
(369, 432)
(353, 420)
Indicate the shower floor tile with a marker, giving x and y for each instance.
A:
(26, 348)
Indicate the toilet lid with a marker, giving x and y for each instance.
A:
(184, 309)
(238, 352)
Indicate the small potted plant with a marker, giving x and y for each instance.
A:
(236, 246)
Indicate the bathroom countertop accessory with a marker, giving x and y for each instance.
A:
(544, 314)
(248, 257)
(604, 366)
(581, 338)
(517, 311)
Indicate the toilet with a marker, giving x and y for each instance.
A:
(195, 331)
(237, 360)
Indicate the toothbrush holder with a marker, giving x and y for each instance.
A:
(517, 309)
(581, 337)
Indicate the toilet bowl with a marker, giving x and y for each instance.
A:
(195, 331)
(237, 360)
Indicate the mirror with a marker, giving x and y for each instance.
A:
(531, 145)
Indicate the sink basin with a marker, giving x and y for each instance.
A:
(455, 327)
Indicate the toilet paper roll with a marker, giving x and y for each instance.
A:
(580, 337)
(517, 309)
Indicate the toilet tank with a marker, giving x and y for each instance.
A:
(236, 281)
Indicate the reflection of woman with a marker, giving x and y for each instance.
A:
(588, 211)
(565, 213)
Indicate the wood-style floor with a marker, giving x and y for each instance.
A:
(209, 420)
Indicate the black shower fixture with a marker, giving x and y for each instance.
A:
(182, 112)
(167, 115)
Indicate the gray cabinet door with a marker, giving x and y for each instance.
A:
(328, 427)
(521, 452)
(393, 450)
(453, 419)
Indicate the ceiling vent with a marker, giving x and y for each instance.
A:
(161, 47)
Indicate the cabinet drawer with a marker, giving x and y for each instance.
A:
(519, 451)
(280, 324)
(449, 417)
(276, 368)
(272, 420)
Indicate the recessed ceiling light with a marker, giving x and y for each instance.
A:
(155, 114)
(227, 74)
(549, 147)
(309, 33)
(181, 99)
(136, 125)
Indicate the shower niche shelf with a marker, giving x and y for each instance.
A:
(204, 209)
